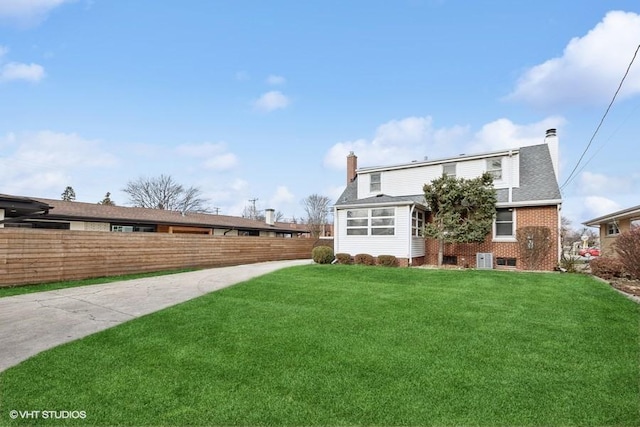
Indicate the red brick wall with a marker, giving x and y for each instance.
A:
(546, 216)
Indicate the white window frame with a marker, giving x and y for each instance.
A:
(493, 169)
(505, 237)
(449, 166)
(417, 222)
(357, 222)
(375, 182)
(371, 222)
(383, 221)
(612, 228)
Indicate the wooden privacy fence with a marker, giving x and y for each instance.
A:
(30, 256)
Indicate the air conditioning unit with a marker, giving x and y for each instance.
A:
(484, 260)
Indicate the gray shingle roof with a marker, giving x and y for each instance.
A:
(537, 183)
(537, 178)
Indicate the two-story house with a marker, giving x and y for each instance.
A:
(382, 210)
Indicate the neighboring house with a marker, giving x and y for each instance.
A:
(58, 214)
(612, 225)
(382, 210)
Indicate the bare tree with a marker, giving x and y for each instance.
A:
(316, 207)
(164, 193)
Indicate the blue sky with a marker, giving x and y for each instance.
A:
(264, 99)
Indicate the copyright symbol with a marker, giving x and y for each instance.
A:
(13, 414)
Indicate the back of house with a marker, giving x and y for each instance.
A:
(382, 210)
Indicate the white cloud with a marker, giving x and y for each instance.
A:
(215, 156)
(35, 163)
(27, 13)
(597, 206)
(596, 183)
(414, 138)
(222, 162)
(240, 185)
(271, 101)
(397, 141)
(590, 68)
(276, 80)
(281, 196)
(16, 71)
(503, 133)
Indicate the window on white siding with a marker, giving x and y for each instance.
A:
(375, 185)
(417, 223)
(505, 223)
(612, 229)
(357, 222)
(374, 222)
(122, 228)
(383, 222)
(449, 169)
(494, 167)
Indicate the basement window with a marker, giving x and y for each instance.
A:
(449, 260)
(505, 262)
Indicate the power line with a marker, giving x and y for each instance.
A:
(608, 140)
(571, 175)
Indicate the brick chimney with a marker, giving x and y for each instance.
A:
(352, 165)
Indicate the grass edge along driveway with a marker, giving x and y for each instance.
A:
(354, 345)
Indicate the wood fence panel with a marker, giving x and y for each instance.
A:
(30, 256)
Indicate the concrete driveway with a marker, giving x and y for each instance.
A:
(35, 322)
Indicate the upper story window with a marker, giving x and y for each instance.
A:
(494, 167)
(375, 183)
(449, 169)
(505, 223)
(612, 229)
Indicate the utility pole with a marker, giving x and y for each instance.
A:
(254, 211)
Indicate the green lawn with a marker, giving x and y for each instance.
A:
(353, 345)
(41, 287)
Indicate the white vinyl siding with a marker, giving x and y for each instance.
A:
(410, 180)
(381, 244)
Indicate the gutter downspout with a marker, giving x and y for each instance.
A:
(560, 248)
(511, 176)
(410, 261)
(336, 231)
